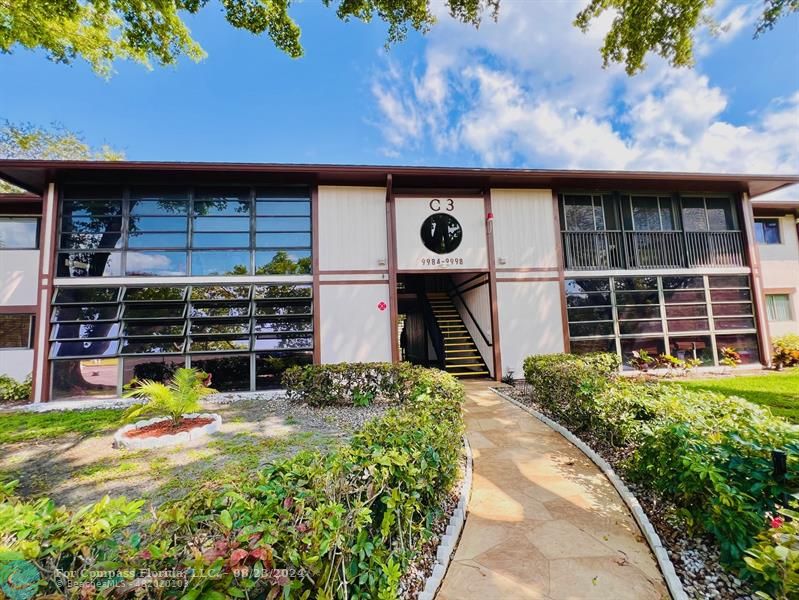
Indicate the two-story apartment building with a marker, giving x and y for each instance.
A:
(118, 270)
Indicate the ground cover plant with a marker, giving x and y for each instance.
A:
(708, 454)
(343, 523)
(41, 426)
(13, 391)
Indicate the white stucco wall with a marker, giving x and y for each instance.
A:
(779, 264)
(353, 328)
(412, 254)
(529, 321)
(18, 272)
(524, 229)
(352, 228)
(16, 363)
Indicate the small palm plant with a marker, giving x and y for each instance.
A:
(180, 395)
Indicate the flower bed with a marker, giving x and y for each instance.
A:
(161, 432)
(342, 524)
(704, 457)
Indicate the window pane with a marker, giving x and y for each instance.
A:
(149, 311)
(70, 295)
(653, 346)
(156, 263)
(213, 224)
(579, 286)
(575, 300)
(283, 208)
(228, 373)
(90, 241)
(637, 298)
(590, 314)
(159, 346)
(767, 231)
(165, 204)
(157, 328)
(204, 326)
(84, 348)
(680, 296)
(283, 343)
(729, 295)
(719, 214)
(778, 307)
(582, 329)
(221, 240)
(89, 264)
(109, 225)
(579, 213)
(744, 344)
(220, 263)
(220, 310)
(688, 325)
(639, 312)
(588, 346)
(91, 208)
(157, 240)
(635, 283)
(95, 378)
(219, 345)
(293, 308)
(646, 213)
(154, 293)
(683, 283)
(84, 313)
(222, 203)
(633, 327)
(693, 214)
(150, 367)
(735, 323)
(283, 240)
(296, 262)
(15, 331)
(283, 224)
(282, 291)
(142, 224)
(219, 292)
(20, 233)
(692, 347)
(687, 310)
(728, 281)
(283, 325)
(269, 368)
(744, 308)
(100, 329)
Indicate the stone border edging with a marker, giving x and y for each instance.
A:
(449, 541)
(122, 441)
(653, 539)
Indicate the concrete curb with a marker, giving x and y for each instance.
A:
(122, 441)
(661, 555)
(449, 541)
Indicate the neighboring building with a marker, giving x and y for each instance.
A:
(244, 269)
(777, 236)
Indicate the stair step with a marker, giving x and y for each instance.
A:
(472, 350)
(468, 373)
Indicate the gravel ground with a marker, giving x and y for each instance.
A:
(695, 558)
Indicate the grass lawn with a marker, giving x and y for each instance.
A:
(778, 391)
(29, 426)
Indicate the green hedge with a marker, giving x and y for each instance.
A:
(335, 525)
(709, 454)
(346, 384)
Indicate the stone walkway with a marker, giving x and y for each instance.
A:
(543, 522)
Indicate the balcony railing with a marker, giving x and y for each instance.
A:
(599, 250)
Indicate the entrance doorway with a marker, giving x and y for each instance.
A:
(439, 328)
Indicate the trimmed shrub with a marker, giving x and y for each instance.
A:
(343, 524)
(775, 556)
(709, 454)
(785, 351)
(12, 390)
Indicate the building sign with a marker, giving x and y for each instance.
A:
(440, 233)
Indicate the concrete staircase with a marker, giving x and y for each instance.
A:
(461, 357)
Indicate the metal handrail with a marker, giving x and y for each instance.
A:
(476, 324)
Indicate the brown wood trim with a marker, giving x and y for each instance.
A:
(564, 316)
(317, 301)
(527, 279)
(391, 243)
(758, 294)
(355, 272)
(438, 271)
(354, 282)
(779, 290)
(19, 309)
(437, 192)
(492, 286)
(529, 270)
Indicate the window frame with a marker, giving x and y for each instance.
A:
(764, 241)
(770, 294)
(37, 236)
(31, 326)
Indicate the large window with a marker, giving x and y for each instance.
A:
(767, 231)
(778, 307)
(19, 233)
(154, 330)
(708, 213)
(685, 316)
(16, 331)
(176, 231)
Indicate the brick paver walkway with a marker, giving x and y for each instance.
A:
(543, 522)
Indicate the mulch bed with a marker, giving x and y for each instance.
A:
(167, 427)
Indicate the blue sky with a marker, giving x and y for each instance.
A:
(526, 92)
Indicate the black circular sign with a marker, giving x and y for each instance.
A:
(441, 233)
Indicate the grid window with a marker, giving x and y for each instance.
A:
(767, 231)
(16, 331)
(19, 233)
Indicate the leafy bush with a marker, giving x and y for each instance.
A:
(774, 559)
(12, 390)
(343, 383)
(318, 525)
(786, 351)
(710, 454)
(179, 396)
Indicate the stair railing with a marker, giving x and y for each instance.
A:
(432, 327)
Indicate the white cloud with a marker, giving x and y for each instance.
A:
(530, 91)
